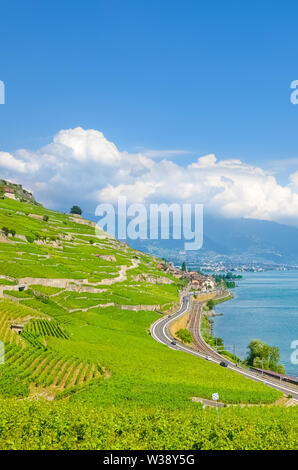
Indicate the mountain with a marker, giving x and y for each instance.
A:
(235, 241)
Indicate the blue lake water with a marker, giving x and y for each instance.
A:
(265, 307)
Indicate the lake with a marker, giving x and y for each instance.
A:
(265, 307)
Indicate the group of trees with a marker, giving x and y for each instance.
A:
(227, 280)
(263, 356)
(230, 275)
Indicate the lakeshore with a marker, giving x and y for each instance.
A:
(265, 307)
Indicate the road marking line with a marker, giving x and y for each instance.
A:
(194, 353)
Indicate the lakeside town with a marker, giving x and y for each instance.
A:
(221, 267)
(224, 267)
(198, 280)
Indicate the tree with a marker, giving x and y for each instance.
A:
(259, 350)
(279, 368)
(219, 342)
(260, 363)
(45, 218)
(210, 304)
(76, 210)
(183, 266)
(263, 356)
(230, 284)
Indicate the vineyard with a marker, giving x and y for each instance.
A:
(45, 328)
(75, 318)
(66, 426)
(36, 366)
(6, 334)
(28, 360)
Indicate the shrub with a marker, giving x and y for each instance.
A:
(184, 335)
(210, 304)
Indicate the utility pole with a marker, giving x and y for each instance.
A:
(262, 367)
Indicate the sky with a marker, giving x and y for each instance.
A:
(159, 101)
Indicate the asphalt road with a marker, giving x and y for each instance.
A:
(160, 331)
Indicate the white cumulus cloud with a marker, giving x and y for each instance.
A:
(82, 166)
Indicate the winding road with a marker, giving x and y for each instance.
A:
(160, 331)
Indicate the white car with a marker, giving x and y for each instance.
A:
(208, 358)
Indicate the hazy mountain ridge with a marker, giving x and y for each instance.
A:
(235, 241)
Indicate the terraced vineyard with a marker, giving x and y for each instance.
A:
(6, 334)
(45, 328)
(39, 367)
(28, 356)
(83, 303)
(49, 271)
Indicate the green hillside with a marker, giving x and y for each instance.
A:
(84, 372)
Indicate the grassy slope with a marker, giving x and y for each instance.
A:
(144, 376)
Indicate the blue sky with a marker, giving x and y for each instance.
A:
(205, 77)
